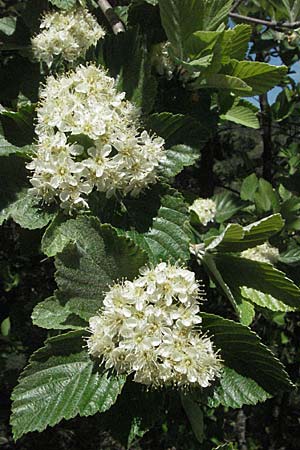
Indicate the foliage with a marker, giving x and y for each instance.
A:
(193, 69)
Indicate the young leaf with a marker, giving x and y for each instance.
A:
(59, 383)
(249, 187)
(242, 350)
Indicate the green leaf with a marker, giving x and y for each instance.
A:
(13, 178)
(221, 81)
(242, 350)
(64, 4)
(194, 414)
(8, 25)
(235, 391)
(242, 113)
(227, 205)
(291, 256)
(236, 238)
(60, 382)
(55, 314)
(266, 199)
(7, 149)
(177, 158)
(169, 237)
(25, 211)
(180, 129)
(128, 61)
(259, 76)
(264, 300)
(181, 18)
(249, 187)
(235, 42)
(240, 272)
(88, 266)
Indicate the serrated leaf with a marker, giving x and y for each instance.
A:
(26, 211)
(235, 42)
(236, 238)
(243, 351)
(59, 383)
(55, 314)
(242, 113)
(222, 81)
(180, 129)
(181, 18)
(227, 205)
(128, 61)
(260, 76)
(240, 272)
(169, 237)
(236, 390)
(264, 300)
(88, 266)
(177, 158)
(291, 256)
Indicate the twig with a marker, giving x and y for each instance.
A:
(267, 23)
(115, 23)
(236, 5)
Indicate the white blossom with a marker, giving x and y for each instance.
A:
(205, 209)
(147, 327)
(262, 253)
(161, 59)
(67, 34)
(115, 155)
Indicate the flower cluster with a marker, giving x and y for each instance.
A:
(262, 253)
(67, 34)
(89, 137)
(147, 327)
(205, 209)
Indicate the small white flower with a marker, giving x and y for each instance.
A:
(66, 33)
(262, 253)
(205, 209)
(154, 338)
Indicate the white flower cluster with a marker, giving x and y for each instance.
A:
(115, 155)
(66, 33)
(262, 253)
(146, 327)
(205, 209)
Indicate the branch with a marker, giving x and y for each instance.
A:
(115, 23)
(236, 5)
(267, 23)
